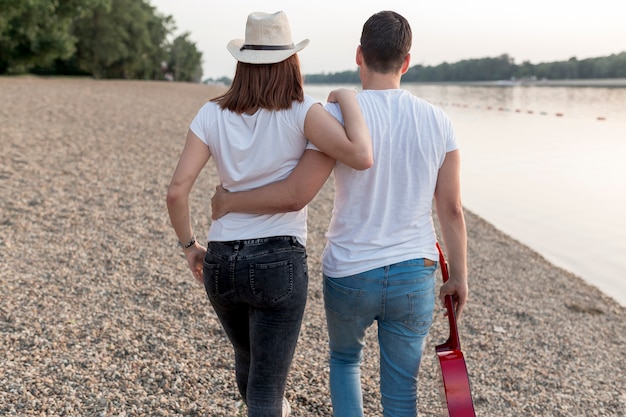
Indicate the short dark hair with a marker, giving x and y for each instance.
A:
(266, 86)
(385, 41)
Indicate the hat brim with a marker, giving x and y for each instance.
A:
(250, 56)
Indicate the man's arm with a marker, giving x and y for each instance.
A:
(452, 222)
(350, 143)
(290, 194)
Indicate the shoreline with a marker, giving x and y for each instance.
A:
(604, 82)
(595, 82)
(100, 315)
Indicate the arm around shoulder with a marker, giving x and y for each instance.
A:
(351, 144)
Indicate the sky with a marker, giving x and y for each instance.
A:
(443, 30)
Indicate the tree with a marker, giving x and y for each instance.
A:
(102, 38)
(502, 67)
(37, 32)
(122, 39)
(185, 61)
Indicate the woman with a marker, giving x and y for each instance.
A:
(254, 267)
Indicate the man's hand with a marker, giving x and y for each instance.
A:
(458, 289)
(333, 96)
(218, 203)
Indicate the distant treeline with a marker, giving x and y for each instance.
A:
(101, 38)
(502, 67)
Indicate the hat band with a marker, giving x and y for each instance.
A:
(267, 47)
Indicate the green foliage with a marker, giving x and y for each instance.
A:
(613, 66)
(184, 59)
(102, 38)
(125, 40)
(130, 39)
(35, 32)
(502, 67)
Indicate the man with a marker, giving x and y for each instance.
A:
(380, 259)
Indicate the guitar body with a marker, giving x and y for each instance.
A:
(454, 388)
(454, 385)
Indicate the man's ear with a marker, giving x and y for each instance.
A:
(406, 63)
(359, 56)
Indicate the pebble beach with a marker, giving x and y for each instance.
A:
(100, 316)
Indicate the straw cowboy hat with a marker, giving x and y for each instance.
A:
(268, 40)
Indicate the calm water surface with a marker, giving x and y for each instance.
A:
(546, 165)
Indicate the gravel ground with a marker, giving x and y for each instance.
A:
(99, 315)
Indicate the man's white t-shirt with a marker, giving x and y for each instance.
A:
(383, 215)
(251, 151)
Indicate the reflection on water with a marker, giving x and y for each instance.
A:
(570, 102)
(546, 165)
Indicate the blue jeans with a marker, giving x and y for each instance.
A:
(258, 289)
(401, 298)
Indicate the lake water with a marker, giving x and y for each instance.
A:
(547, 166)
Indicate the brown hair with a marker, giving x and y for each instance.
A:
(385, 41)
(267, 86)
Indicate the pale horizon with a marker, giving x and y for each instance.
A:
(445, 31)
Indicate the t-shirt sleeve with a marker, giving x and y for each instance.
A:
(451, 142)
(311, 145)
(335, 111)
(200, 122)
(306, 106)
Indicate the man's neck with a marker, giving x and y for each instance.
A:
(377, 81)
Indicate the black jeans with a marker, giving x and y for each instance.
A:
(258, 288)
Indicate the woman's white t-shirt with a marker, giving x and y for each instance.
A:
(250, 151)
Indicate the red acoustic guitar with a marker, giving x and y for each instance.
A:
(454, 388)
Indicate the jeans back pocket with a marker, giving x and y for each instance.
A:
(272, 282)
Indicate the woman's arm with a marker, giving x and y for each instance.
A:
(193, 158)
(351, 143)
